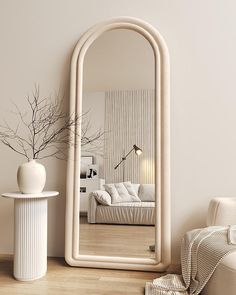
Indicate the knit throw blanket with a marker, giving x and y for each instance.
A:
(201, 252)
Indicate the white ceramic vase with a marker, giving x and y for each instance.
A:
(31, 177)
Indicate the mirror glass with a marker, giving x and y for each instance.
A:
(117, 179)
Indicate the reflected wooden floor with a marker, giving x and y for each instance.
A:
(62, 279)
(116, 240)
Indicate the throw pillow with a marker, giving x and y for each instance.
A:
(131, 191)
(120, 194)
(147, 192)
(102, 197)
(136, 187)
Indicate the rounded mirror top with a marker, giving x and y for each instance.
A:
(119, 59)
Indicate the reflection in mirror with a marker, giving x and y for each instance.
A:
(117, 185)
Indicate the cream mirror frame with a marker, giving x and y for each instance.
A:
(162, 146)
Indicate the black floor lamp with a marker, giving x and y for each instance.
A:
(137, 151)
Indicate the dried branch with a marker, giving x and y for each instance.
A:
(49, 131)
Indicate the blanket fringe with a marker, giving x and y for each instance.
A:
(170, 284)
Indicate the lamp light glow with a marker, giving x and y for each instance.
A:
(137, 150)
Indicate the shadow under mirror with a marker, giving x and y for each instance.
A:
(117, 179)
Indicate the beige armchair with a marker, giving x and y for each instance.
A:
(222, 211)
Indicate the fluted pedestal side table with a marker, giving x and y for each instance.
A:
(30, 234)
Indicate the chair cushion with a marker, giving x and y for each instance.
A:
(135, 204)
(223, 281)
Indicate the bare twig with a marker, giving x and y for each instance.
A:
(49, 131)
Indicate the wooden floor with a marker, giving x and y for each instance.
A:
(116, 240)
(63, 279)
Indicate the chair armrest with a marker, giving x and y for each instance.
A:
(222, 211)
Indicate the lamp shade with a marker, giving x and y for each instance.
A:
(137, 150)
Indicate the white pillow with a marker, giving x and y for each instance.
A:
(131, 190)
(136, 187)
(120, 194)
(102, 197)
(147, 192)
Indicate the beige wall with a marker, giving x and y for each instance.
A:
(37, 39)
(110, 62)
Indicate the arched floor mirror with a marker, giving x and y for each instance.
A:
(118, 194)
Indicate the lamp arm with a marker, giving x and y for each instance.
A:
(124, 158)
(119, 164)
(128, 154)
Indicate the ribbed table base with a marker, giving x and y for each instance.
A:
(30, 238)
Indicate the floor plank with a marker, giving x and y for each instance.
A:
(116, 240)
(63, 279)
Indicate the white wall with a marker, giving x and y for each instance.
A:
(93, 108)
(37, 39)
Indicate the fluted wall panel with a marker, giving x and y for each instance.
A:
(129, 120)
(30, 261)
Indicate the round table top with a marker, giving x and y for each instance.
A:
(19, 195)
